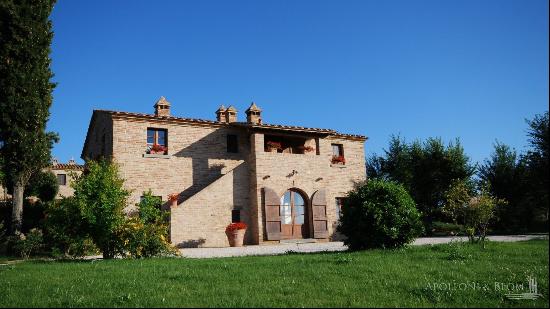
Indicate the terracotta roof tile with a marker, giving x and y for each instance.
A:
(241, 124)
(65, 166)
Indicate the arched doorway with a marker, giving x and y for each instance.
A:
(294, 215)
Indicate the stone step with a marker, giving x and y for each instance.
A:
(298, 241)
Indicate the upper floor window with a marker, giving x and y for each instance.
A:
(338, 154)
(157, 141)
(232, 143)
(62, 179)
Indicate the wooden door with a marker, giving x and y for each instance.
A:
(293, 216)
(319, 210)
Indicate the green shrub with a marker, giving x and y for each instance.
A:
(147, 234)
(66, 232)
(2, 236)
(42, 185)
(379, 214)
(456, 251)
(149, 208)
(101, 197)
(146, 239)
(25, 245)
(446, 229)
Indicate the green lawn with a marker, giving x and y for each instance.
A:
(361, 279)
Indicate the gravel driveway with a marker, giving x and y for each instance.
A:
(324, 247)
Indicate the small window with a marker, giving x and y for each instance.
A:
(338, 154)
(62, 179)
(232, 143)
(337, 150)
(235, 215)
(157, 141)
(339, 203)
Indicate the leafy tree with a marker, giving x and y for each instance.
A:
(426, 170)
(474, 208)
(457, 198)
(66, 230)
(43, 185)
(505, 172)
(537, 171)
(25, 93)
(379, 214)
(102, 198)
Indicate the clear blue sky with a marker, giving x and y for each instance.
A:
(468, 69)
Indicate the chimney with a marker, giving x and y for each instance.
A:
(162, 107)
(72, 162)
(55, 161)
(254, 114)
(220, 114)
(231, 114)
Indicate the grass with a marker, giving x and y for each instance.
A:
(377, 278)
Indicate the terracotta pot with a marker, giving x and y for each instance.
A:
(173, 203)
(235, 238)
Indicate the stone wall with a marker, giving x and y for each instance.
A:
(66, 190)
(314, 172)
(197, 162)
(201, 220)
(99, 141)
(197, 155)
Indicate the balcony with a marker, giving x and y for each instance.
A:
(290, 145)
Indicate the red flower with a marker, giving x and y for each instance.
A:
(274, 145)
(236, 226)
(338, 159)
(173, 197)
(156, 148)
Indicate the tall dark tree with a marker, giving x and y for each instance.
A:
(538, 171)
(505, 173)
(426, 169)
(25, 93)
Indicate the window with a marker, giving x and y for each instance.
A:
(337, 150)
(236, 215)
(62, 179)
(338, 154)
(157, 141)
(232, 143)
(339, 203)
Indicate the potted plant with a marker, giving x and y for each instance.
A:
(158, 149)
(235, 233)
(173, 198)
(338, 160)
(274, 146)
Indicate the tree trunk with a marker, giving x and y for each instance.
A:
(17, 209)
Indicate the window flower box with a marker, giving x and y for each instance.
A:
(157, 149)
(338, 160)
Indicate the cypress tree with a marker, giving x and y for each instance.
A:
(25, 93)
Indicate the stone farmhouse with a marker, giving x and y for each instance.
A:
(285, 182)
(65, 173)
